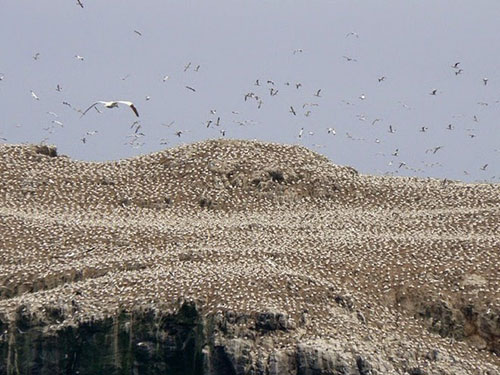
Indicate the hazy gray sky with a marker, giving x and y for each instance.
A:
(413, 44)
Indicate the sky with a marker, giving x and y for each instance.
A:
(376, 63)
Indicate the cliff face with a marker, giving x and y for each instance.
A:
(188, 342)
(151, 342)
(237, 257)
(142, 342)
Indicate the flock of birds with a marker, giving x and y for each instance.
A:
(267, 89)
(248, 227)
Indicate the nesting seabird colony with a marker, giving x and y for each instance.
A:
(247, 226)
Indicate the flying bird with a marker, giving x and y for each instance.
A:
(433, 92)
(485, 81)
(353, 34)
(381, 79)
(455, 66)
(79, 3)
(349, 58)
(112, 104)
(34, 95)
(434, 149)
(78, 57)
(318, 93)
(138, 32)
(293, 111)
(483, 168)
(190, 88)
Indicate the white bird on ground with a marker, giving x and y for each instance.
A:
(113, 104)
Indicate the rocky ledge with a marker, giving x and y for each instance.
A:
(148, 341)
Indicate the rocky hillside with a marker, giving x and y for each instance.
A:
(239, 257)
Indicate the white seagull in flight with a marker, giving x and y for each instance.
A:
(113, 104)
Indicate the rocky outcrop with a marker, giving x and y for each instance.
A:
(480, 327)
(151, 342)
(143, 341)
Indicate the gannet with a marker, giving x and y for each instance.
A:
(113, 104)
